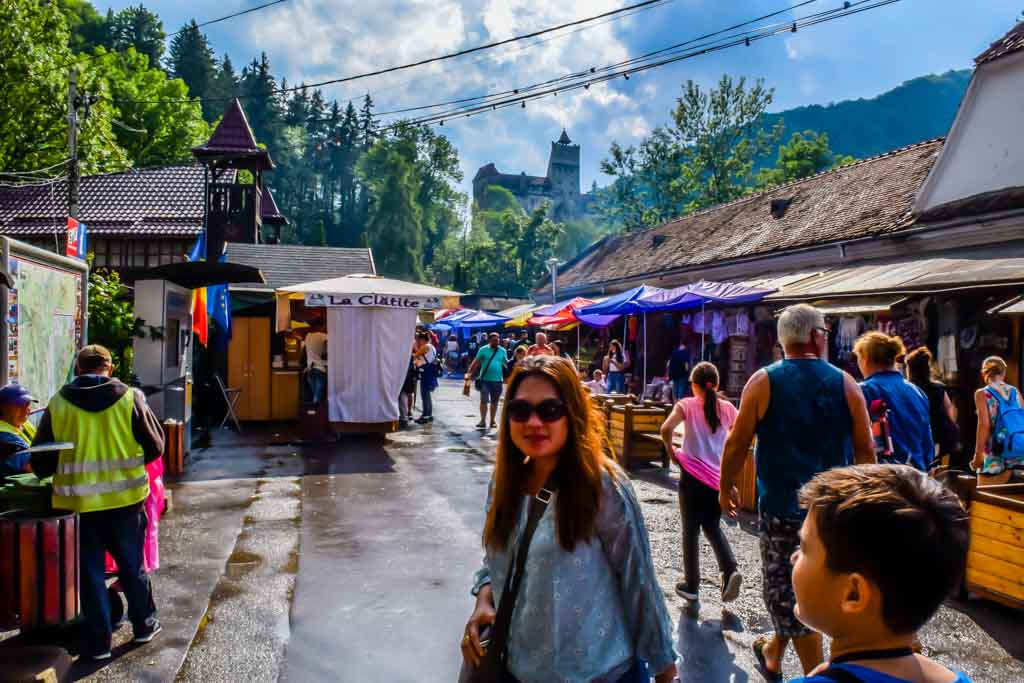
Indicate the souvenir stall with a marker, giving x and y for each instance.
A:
(565, 316)
(370, 323)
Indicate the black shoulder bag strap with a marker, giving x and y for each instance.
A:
(494, 663)
(479, 377)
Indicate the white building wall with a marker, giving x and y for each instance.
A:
(985, 148)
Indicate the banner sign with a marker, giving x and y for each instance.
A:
(76, 239)
(314, 299)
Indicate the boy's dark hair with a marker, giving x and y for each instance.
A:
(898, 527)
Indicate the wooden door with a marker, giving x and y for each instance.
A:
(238, 362)
(259, 369)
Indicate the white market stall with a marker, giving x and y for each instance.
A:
(370, 321)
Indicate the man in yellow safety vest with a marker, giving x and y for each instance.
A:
(103, 478)
(16, 432)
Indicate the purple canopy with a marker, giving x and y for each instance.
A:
(626, 303)
(701, 293)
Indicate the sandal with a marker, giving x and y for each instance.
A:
(761, 664)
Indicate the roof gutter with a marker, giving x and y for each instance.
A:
(841, 244)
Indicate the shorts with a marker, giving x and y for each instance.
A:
(490, 392)
(779, 540)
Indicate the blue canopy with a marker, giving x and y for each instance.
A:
(699, 294)
(626, 303)
(476, 319)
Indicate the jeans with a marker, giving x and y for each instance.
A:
(428, 403)
(316, 381)
(616, 382)
(680, 388)
(121, 532)
(698, 504)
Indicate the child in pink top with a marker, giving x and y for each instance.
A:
(707, 419)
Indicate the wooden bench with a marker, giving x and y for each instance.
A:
(995, 556)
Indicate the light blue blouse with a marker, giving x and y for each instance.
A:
(585, 615)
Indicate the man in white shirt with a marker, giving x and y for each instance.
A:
(316, 360)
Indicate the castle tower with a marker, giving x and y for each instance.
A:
(564, 175)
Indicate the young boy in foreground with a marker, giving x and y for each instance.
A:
(882, 546)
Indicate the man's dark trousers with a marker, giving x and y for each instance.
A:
(122, 533)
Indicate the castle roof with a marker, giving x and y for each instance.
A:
(564, 138)
(233, 138)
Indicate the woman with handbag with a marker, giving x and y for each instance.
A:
(615, 365)
(567, 590)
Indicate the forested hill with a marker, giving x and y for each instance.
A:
(917, 110)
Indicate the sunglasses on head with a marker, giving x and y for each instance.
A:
(549, 410)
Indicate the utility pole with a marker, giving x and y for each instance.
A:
(73, 103)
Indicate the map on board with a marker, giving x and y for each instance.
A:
(44, 319)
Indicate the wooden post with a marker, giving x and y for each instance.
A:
(627, 434)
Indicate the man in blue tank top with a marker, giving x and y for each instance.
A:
(809, 417)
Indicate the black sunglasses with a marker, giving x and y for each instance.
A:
(549, 410)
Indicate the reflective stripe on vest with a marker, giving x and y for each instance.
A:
(106, 469)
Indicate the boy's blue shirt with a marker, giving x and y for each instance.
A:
(866, 675)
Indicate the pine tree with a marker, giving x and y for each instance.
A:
(394, 231)
(225, 83)
(191, 60)
(139, 28)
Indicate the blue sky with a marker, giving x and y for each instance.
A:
(858, 56)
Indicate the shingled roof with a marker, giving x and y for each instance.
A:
(1012, 42)
(233, 137)
(867, 198)
(163, 201)
(284, 265)
(269, 213)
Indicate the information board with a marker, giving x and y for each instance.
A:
(44, 323)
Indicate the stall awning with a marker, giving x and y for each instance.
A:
(858, 306)
(625, 303)
(702, 293)
(371, 290)
(922, 276)
(196, 274)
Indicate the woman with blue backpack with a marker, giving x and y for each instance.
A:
(999, 446)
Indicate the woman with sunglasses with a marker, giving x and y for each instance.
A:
(589, 607)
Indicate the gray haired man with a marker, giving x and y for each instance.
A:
(809, 417)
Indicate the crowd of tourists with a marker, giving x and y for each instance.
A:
(858, 543)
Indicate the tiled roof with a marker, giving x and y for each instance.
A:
(233, 137)
(284, 265)
(160, 201)
(269, 212)
(1012, 42)
(867, 198)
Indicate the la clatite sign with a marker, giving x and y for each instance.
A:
(314, 299)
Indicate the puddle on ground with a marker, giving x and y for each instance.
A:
(456, 449)
(241, 562)
(657, 501)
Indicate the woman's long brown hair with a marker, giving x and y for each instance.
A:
(581, 465)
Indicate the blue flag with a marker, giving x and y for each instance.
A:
(198, 252)
(218, 306)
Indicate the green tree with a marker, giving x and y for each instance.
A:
(87, 28)
(224, 86)
(191, 60)
(34, 55)
(577, 235)
(703, 158)
(150, 132)
(394, 230)
(112, 320)
(804, 155)
(139, 28)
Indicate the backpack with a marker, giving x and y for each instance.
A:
(1008, 431)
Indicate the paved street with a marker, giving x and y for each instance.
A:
(352, 562)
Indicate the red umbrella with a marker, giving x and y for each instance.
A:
(564, 315)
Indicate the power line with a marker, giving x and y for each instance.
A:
(36, 172)
(89, 58)
(422, 62)
(849, 8)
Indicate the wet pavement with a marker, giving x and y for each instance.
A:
(351, 561)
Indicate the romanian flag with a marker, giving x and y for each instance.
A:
(200, 319)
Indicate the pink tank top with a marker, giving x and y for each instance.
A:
(701, 454)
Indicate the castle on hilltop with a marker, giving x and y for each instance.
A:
(560, 186)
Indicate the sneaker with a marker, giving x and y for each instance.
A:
(481, 425)
(101, 656)
(731, 586)
(681, 591)
(494, 426)
(424, 420)
(151, 631)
